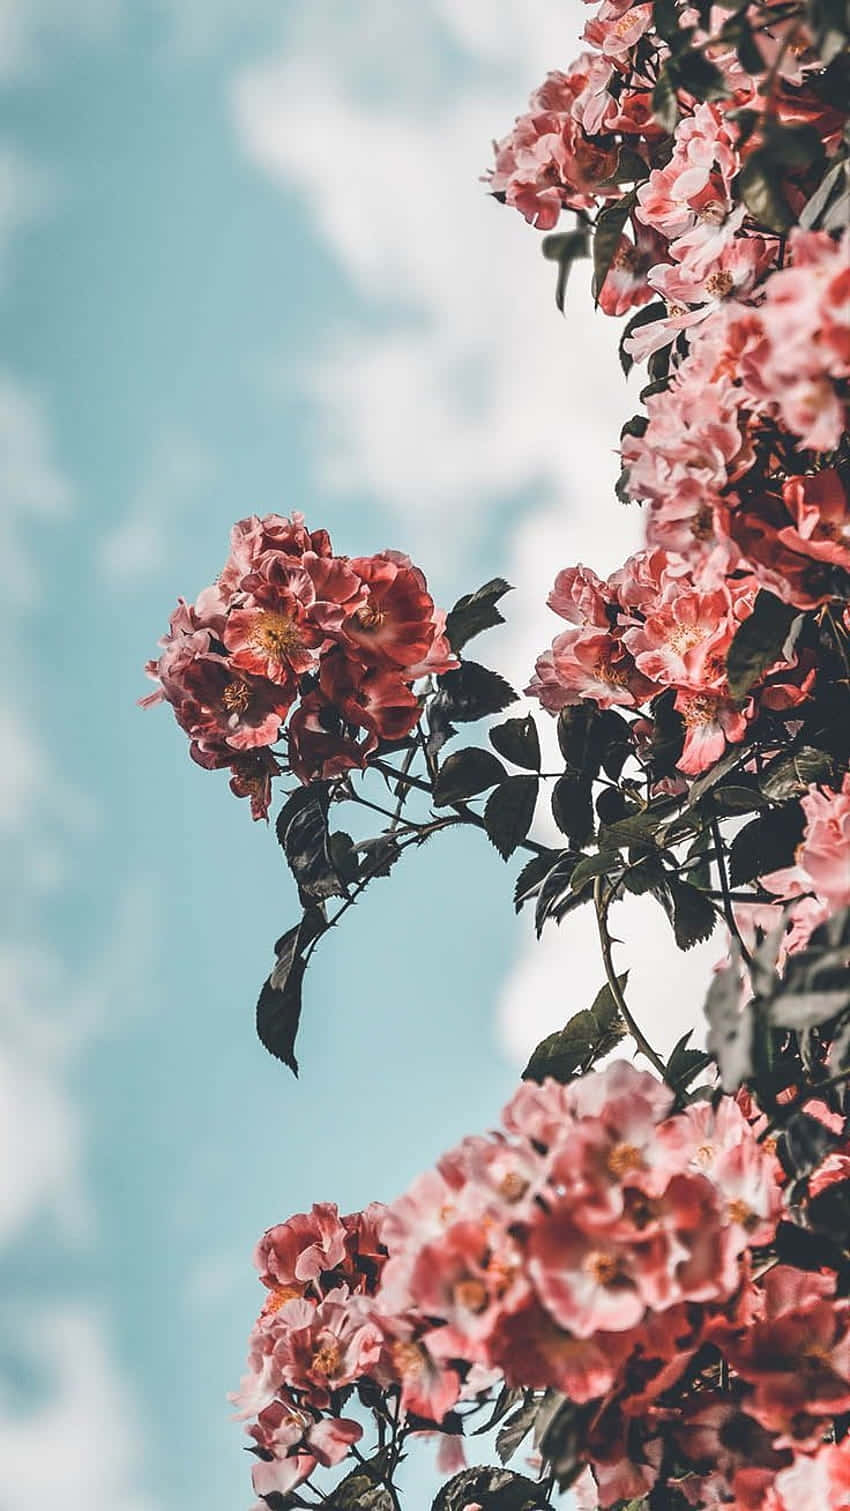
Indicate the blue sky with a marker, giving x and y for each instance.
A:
(246, 265)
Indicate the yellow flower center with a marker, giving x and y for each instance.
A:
(275, 634)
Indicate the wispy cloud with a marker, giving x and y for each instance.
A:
(29, 29)
(140, 543)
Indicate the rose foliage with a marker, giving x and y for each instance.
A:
(644, 1274)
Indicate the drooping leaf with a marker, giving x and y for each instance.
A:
(766, 844)
(610, 224)
(694, 917)
(606, 863)
(572, 808)
(509, 812)
(466, 773)
(564, 247)
(518, 742)
(495, 1489)
(302, 831)
(279, 1002)
(516, 1428)
(509, 1396)
(765, 637)
(531, 877)
(556, 896)
(475, 612)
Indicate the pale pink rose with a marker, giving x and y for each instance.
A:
(825, 851)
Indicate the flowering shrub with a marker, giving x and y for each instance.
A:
(645, 1273)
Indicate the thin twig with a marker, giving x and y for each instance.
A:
(728, 910)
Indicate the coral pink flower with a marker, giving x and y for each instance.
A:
(825, 852)
(297, 1251)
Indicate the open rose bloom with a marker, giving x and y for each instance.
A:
(295, 644)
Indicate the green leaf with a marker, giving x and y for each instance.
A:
(685, 1064)
(466, 773)
(517, 741)
(362, 1489)
(302, 831)
(591, 866)
(831, 185)
(564, 247)
(472, 692)
(475, 612)
(765, 637)
(699, 76)
(665, 106)
(495, 1489)
(559, 1055)
(516, 1428)
(759, 185)
(693, 914)
(344, 855)
(509, 812)
(766, 844)
(572, 808)
(610, 224)
(555, 897)
(531, 877)
(279, 1002)
(791, 775)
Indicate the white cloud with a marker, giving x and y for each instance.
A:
(79, 1446)
(140, 543)
(77, 1442)
(28, 28)
(473, 391)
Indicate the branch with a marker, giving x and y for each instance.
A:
(602, 904)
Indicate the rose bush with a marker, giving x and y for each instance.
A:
(644, 1272)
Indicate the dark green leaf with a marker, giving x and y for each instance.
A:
(279, 1002)
(612, 805)
(703, 784)
(693, 914)
(699, 76)
(465, 773)
(666, 21)
(509, 1396)
(736, 799)
(362, 1489)
(531, 877)
(684, 1063)
(790, 776)
(766, 844)
(509, 812)
(517, 741)
(472, 692)
(343, 856)
(765, 637)
(556, 897)
(515, 1429)
(559, 1055)
(302, 831)
(572, 808)
(665, 106)
(494, 1489)
(564, 247)
(475, 612)
(610, 224)
(379, 856)
(832, 184)
(759, 185)
(591, 866)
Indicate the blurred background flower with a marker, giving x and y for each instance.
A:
(247, 265)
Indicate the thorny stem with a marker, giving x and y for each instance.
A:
(728, 910)
(602, 902)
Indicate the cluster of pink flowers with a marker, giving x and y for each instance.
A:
(290, 631)
(599, 1244)
(734, 463)
(819, 879)
(662, 623)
